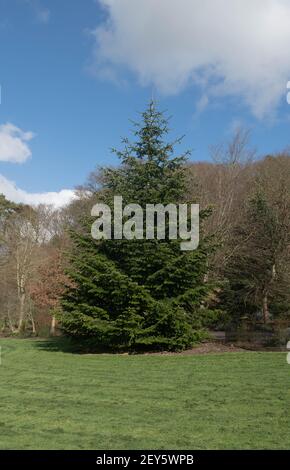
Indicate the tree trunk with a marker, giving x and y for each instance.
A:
(21, 311)
(33, 325)
(53, 326)
(10, 321)
(266, 313)
(31, 318)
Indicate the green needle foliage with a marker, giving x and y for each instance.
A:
(138, 294)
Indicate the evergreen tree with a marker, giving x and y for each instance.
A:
(258, 273)
(138, 293)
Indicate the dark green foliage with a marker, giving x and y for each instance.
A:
(138, 294)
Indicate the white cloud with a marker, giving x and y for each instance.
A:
(14, 144)
(56, 199)
(228, 47)
(14, 149)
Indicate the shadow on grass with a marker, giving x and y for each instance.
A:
(87, 346)
(71, 345)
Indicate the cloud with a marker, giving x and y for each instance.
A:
(14, 149)
(42, 14)
(56, 199)
(201, 105)
(236, 47)
(14, 144)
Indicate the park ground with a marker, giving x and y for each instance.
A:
(53, 399)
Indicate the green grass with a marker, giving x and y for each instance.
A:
(57, 400)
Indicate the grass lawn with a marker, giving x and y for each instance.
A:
(57, 400)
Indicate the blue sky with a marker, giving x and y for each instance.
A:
(73, 72)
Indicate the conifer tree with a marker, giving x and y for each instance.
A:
(138, 293)
(258, 272)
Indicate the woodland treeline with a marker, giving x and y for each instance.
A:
(149, 294)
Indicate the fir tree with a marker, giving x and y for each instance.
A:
(138, 293)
